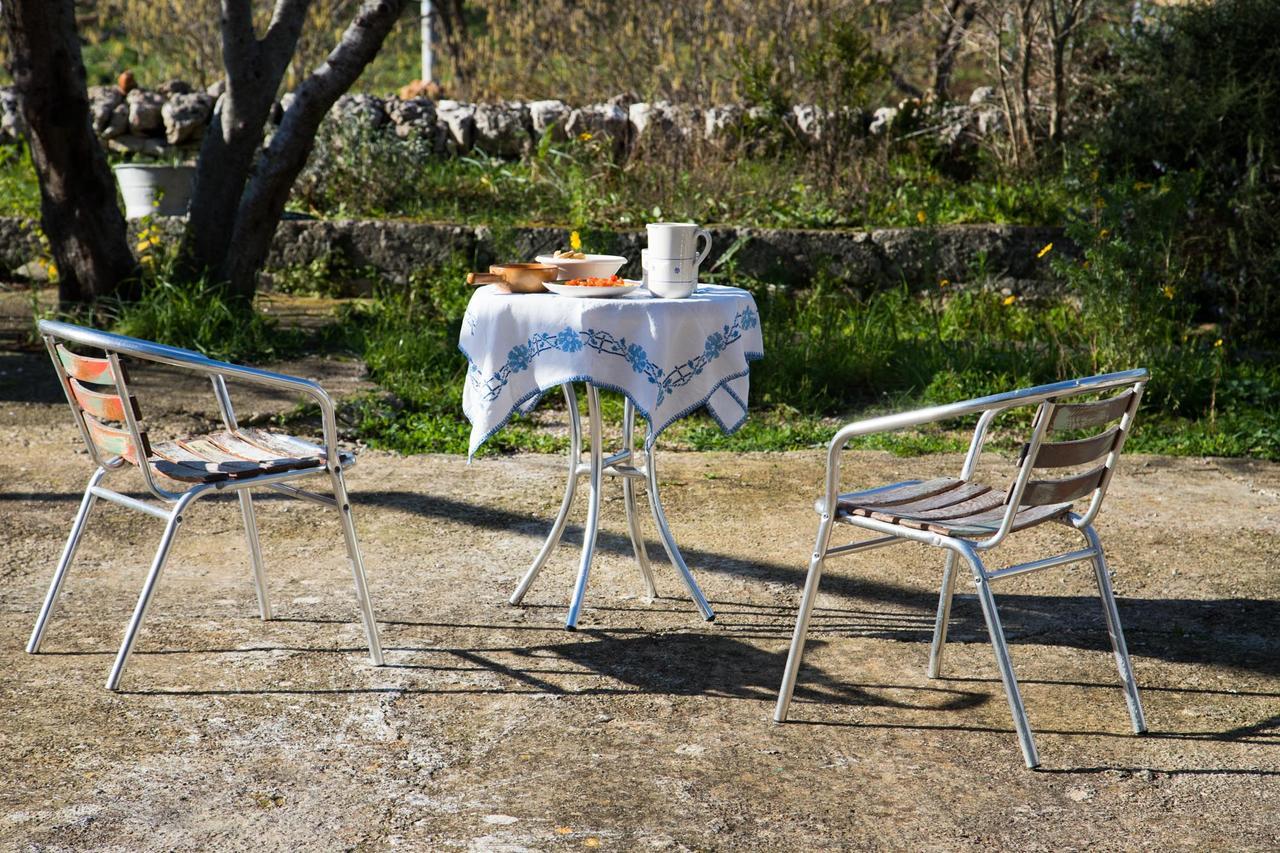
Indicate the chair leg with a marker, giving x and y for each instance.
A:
(255, 554)
(1118, 646)
(996, 631)
(144, 599)
(807, 599)
(357, 566)
(944, 615)
(557, 527)
(64, 563)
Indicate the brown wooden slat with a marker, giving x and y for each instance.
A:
(186, 473)
(112, 441)
(108, 406)
(960, 494)
(174, 454)
(1043, 492)
(1088, 415)
(1067, 454)
(983, 503)
(987, 523)
(206, 449)
(237, 446)
(85, 368)
(276, 442)
(901, 494)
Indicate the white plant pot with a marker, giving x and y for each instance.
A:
(151, 189)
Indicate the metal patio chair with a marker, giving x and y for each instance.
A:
(234, 459)
(967, 518)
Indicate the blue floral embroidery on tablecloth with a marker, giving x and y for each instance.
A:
(519, 357)
(567, 340)
(715, 344)
(638, 359)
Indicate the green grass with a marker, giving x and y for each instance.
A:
(360, 172)
(833, 356)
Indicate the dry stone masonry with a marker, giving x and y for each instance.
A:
(171, 120)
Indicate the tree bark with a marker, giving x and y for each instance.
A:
(959, 15)
(78, 209)
(241, 190)
(268, 190)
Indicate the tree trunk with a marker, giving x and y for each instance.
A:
(240, 190)
(959, 16)
(78, 209)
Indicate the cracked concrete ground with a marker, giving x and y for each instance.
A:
(492, 728)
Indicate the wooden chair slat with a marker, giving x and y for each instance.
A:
(287, 445)
(174, 454)
(1067, 454)
(104, 405)
(207, 450)
(902, 494)
(987, 523)
(988, 500)
(237, 446)
(1089, 415)
(1044, 492)
(113, 441)
(86, 368)
(960, 494)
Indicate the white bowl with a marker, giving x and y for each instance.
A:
(592, 266)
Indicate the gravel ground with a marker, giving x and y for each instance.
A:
(491, 728)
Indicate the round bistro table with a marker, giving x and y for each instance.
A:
(667, 357)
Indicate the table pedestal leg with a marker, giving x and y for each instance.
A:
(669, 541)
(595, 475)
(557, 529)
(629, 500)
(595, 471)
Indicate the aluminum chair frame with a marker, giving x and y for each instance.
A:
(172, 506)
(622, 465)
(988, 408)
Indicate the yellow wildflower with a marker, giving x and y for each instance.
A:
(1142, 185)
(563, 830)
(52, 269)
(1048, 247)
(584, 137)
(575, 242)
(1010, 299)
(591, 842)
(944, 282)
(1168, 291)
(1104, 233)
(1217, 343)
(921, 217)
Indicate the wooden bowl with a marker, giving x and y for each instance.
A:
(516, 278)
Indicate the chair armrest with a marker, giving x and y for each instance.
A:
(189, 360)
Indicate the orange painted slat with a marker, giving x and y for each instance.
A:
(109, 407)
(86, 368)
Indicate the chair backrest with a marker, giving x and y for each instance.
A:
(108, 415)
(1107, 422)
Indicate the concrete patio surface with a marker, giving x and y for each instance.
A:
(492, 728)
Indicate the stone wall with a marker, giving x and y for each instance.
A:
(170, 121)
(869, 260)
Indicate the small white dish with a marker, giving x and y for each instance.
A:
(584, 292)
(592, 266)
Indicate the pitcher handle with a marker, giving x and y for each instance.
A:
(706, 247)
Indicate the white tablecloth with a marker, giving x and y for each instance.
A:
(669, 356)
